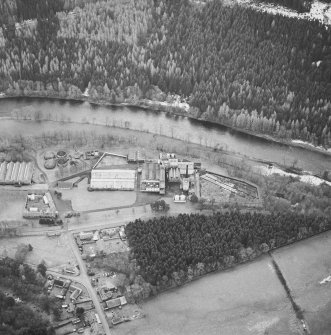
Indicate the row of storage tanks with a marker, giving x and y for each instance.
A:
(14, 173)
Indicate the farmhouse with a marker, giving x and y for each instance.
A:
(39, 205)
(113, 303)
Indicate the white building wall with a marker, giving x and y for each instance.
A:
(116, 184)
(113, 174)
(113, 179)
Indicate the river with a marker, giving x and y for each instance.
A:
(69, 115)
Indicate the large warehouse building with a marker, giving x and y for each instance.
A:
(106, 176)
(112, 179)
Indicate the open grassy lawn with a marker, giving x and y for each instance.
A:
(12, 203)
(83, 200)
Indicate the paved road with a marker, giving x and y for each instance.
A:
(83, 277)
(114, 218)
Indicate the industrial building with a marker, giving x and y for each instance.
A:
(136, 156)
(112, 177)
(174, 175)
(186, 168)
(152, 178)
(16, 173)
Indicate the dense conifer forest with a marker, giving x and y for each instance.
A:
(178, 248)
(17, 317)
(256, 71)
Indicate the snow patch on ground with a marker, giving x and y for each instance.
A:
(174, 101)
(306, 178)
(86, 93)
(325, 280)
(310, 144)
(319, 11)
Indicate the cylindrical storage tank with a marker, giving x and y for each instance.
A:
(10, 167)
(61, 154)
(62, 162)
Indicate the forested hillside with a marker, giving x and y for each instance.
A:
(247, 69)
(7, 12)
(175, 249)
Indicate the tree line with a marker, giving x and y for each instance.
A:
(251, 70)
(175, 249)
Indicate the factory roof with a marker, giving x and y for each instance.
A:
(114, 167)
(150, 171)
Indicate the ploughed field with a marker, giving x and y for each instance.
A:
(248, 299)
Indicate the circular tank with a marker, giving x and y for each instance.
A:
(61, 154)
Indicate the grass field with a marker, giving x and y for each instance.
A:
(83, 200)
(12, 204)
(244, 301)
(54, 251)
(304, 265)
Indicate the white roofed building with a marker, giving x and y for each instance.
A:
(113, 179)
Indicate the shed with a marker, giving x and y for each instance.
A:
(65, 185)
(113, 303)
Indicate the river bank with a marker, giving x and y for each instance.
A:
(37, 116)
(158, 106)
